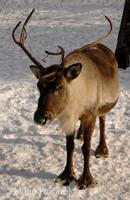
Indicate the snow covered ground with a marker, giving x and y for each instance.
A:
(32, 156)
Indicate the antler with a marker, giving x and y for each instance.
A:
(22, 38)
(99, 39)
(61, 52)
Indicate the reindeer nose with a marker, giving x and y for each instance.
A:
(40, 118)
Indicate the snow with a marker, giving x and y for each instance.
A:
(31, 156)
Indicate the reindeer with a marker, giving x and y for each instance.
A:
(84, 86)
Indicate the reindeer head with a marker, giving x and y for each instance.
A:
(53, 81)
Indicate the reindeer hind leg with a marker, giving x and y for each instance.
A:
(102, 150)
(80, 132)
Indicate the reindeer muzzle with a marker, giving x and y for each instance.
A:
(40, 118)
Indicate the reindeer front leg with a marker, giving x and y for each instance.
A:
(68, 174)
(88, 122)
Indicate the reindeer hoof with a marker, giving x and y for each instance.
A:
(86, 181)
(101, 151)
(66, 178)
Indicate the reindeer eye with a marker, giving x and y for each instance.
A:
(59, 88)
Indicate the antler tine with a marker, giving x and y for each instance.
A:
(23, 35)
(62, 53)
(13, 32)
(23, 30)
(22, 39)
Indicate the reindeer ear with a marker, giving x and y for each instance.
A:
(72, 71)
(36, 71)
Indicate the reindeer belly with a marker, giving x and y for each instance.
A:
(105, 108)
